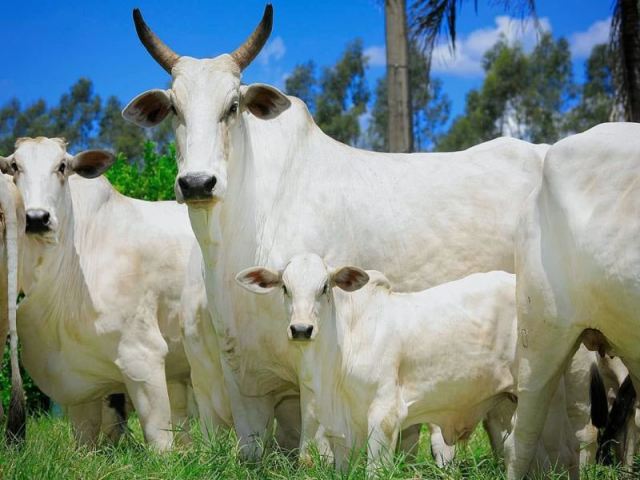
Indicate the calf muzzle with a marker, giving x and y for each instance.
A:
(38, 221)
(301, 331)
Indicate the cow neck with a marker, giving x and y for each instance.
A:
(60, 287)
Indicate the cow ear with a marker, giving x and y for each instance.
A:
(92, 163)
(259, 279)
(350, 279)
(5, 165)
(149, 108)
(264, 101)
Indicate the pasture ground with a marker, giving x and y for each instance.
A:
(49, 453)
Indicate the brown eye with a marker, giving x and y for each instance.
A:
(233, 108)
(62, 168)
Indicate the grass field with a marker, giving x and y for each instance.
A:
(50, 454)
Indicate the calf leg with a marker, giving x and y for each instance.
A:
(179, 411)
(384, 422)
(543, 357)
(86, 419)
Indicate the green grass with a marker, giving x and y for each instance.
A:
(50, 453)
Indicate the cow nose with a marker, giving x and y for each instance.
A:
(301, 331)
(37, 220)
(196, 186)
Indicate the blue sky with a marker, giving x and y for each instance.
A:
(47, 45)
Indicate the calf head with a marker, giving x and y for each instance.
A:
(206, 101)
(40, 168)
(305, 285)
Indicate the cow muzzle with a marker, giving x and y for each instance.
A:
(197, 186)
(300, 332)
(38, 221)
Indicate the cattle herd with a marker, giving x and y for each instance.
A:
(304, 289)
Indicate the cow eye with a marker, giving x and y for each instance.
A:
(233, 108)
(325, 289)
(62, 168)
(284, 289)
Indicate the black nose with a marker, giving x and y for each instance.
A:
(196, 186)
(37, 220)
(301, 331)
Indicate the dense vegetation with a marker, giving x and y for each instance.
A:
(50, 453)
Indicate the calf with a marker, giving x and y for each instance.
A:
(383, 361)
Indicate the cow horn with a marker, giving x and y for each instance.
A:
(159, 50)
(245, 53)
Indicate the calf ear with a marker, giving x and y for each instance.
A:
(92, 163)
(264, 101)
(5, 165)
(350, 279)
(149, 108)
(259, 279)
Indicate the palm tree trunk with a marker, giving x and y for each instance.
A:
(628, 50)
(398, 94)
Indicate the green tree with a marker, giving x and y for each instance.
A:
(302, 83)
(76, 115)
(117, 134)
(343, 95)
(429, 105)
(597, 94)
(153, 179)
(506, 105)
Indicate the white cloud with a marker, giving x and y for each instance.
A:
(466, 60)
(582, 42)
(377, 55)
(274, 49)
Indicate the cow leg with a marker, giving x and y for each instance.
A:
(114, 417)
(543, 358)
(497, 424)
(179, 412)
(253, 421)
(442, 453)
(86, 420)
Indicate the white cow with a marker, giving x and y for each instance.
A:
(384, 361)
(103, 278)
(578, 267)
(264, 183)
(11, 238)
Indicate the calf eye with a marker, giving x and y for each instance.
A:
(284, 289)
(62, 168)
(14, 166)
(325, 289)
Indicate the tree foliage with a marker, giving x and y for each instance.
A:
(339, 97)
(523, 95)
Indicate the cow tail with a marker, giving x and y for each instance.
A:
(622, 407)
(598, 398)
(16, 423)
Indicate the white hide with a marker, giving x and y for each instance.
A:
(12, 219)
(382, 361)
(103, 295)
(283, 187)
(577, 261)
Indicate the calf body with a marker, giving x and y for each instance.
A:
(381, 361)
